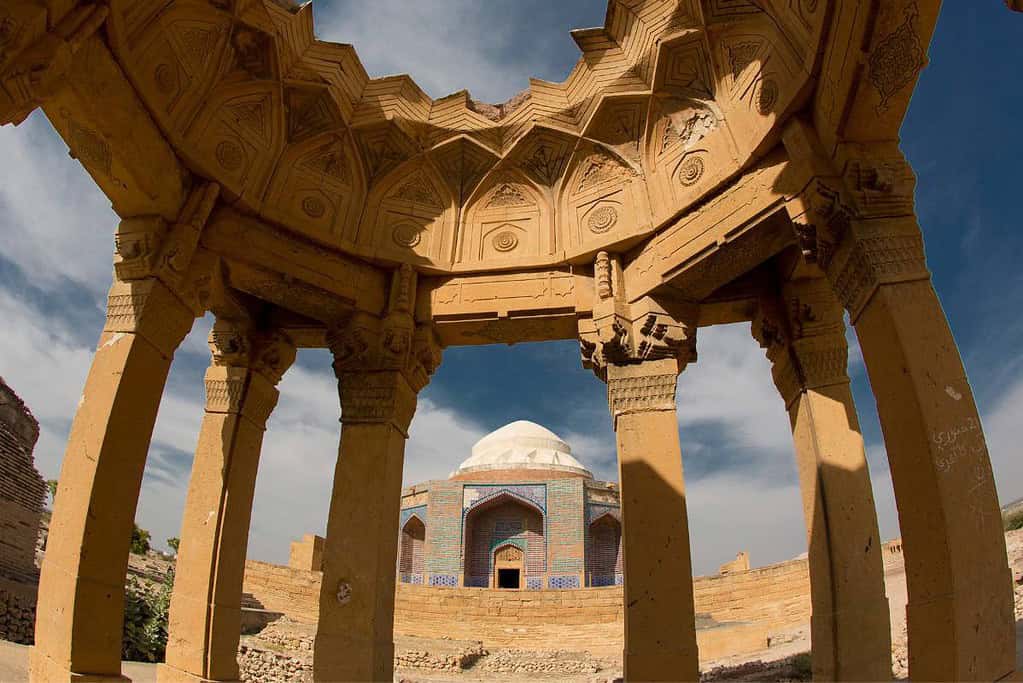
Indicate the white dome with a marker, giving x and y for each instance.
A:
(522, 445)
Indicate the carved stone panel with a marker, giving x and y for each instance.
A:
(318, 185)
(602, 201)
(507, 221)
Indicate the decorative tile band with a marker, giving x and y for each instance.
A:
(534, 583)
(445, 580)
(416, 579)
(477, 581)
(562, 582)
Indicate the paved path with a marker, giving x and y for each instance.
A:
(14, 666)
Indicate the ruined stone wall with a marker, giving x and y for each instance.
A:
(22, 490)
(777, 596)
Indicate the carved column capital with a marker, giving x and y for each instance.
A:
(802, 328)
(245, 368)
(382, 363)
(641, 387)
(149, 247)
(149, 309)
(622, 333)
(874, 253)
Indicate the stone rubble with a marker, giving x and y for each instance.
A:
(17, 618)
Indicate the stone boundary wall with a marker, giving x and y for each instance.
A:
(754, 605)
(294, 592)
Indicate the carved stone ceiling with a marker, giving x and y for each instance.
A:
(670, 99)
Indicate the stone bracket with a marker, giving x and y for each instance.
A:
(39, 70)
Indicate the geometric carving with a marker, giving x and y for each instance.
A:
(741, 55)
(688, 70)
(379, 151)
(419, 190)
(896, 60)
(506, 195)
(545, 164)
(766, 95)
(327, 159)
(600, 168)
(726, 10)
(310, 111)
(253, 118)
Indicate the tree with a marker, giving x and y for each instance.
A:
(139, 541)
(51, 484)
(174, 543)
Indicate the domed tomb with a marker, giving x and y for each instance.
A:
(525, 448)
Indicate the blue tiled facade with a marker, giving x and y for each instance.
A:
(567, 512)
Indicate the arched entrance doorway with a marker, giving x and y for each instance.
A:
(412, 551)
(498, 529)
(604, 551)
(509, 567)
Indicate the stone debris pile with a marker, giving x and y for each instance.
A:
(17, 618)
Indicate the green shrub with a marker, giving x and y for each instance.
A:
(173, 544)
(145, 620)
(139, 541)
(802, 667)
(1013, 521)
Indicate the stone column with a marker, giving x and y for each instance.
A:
(381, 366)
(803, 331)
(860, 228)
(81, 587)
(660, 622)
(639, 349)
(205, 611)
(152, 305)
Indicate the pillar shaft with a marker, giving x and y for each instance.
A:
(205, 611)
(81, 589)
(960, 611)
(355, 634)
(660, 623)
(803, 330)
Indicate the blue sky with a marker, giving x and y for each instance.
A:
(962, 136)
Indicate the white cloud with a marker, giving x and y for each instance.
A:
(447, 46)
(57, 224)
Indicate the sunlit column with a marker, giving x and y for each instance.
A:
(205, 610)
(803, 330)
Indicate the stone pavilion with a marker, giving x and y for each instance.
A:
(705, 162)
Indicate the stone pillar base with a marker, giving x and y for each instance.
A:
(170, 674)
(42, 669)
(660, 664)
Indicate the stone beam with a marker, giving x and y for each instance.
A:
(287, 263)
(872, 60)
(712, 227)
(505, 307)
(106, 127)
